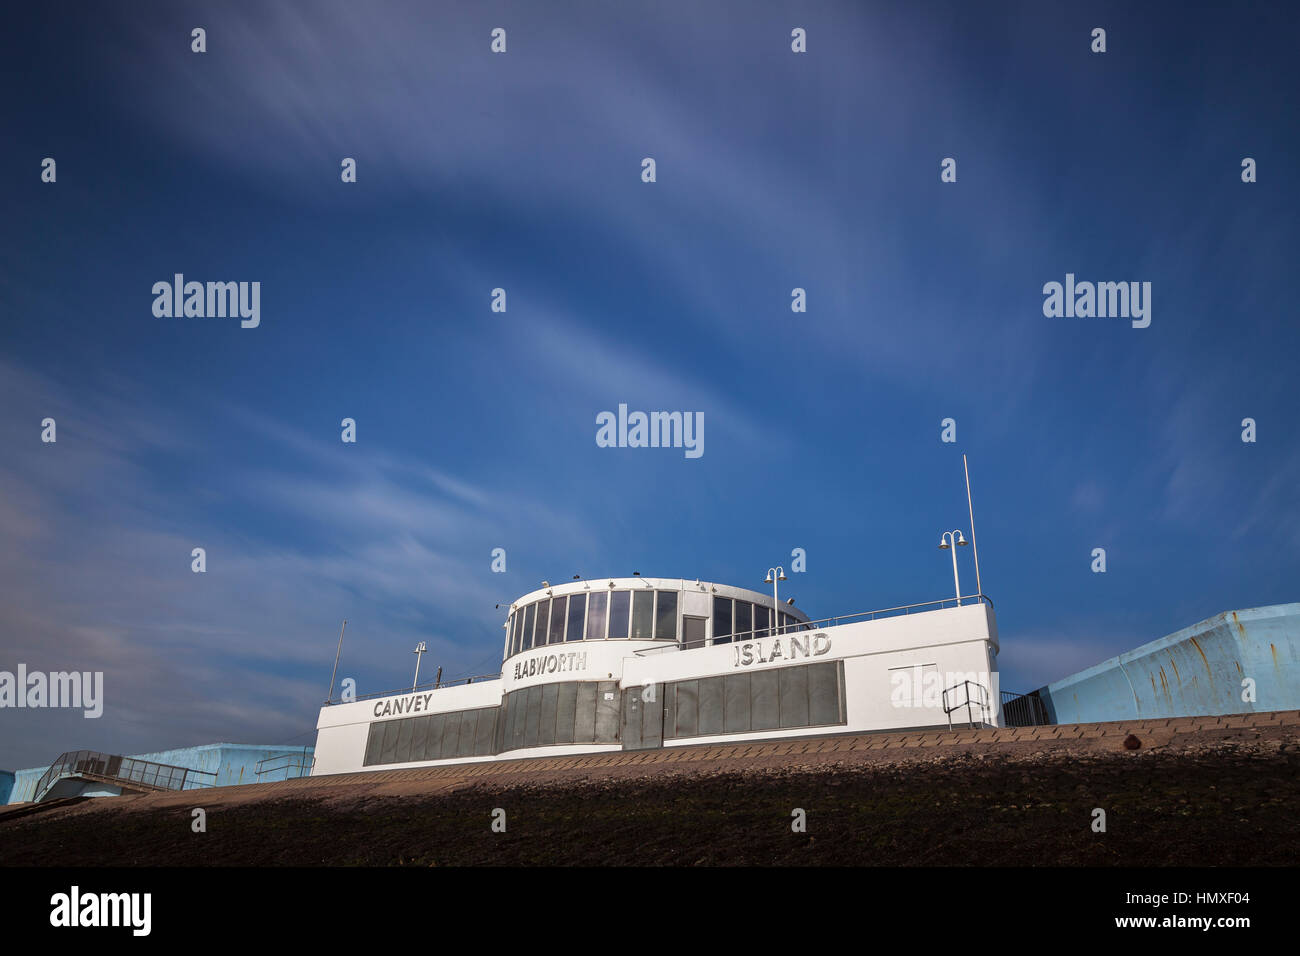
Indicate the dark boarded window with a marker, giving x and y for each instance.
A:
(460, 733)
(693, 631)
(780, 698)
(735, 703)
(711, 705)
(581, 712)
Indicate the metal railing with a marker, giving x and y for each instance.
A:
(1023, 710)
(113, 768)
(300, 761)
(814, 625)
(428, 685)
(983, 702)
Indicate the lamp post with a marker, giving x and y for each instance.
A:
(946, 541)
(774, 575)
(419, 649)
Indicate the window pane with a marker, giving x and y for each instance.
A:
(516, 624)
(643, 603)
(577, 614)
(666, 616)
(786, 621)
(557, 620)
(760, 620)
(526, 640)
(721, 620)
(596, 605)
(619, 604)
(743, 623)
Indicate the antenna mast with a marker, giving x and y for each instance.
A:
(979, 587)
(334, 672)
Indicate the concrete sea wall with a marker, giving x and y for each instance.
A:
(1200, 670)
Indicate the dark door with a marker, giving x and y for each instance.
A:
(643, 717)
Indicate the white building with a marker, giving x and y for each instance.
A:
(635, 663)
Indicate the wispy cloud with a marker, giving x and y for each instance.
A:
(96, 570)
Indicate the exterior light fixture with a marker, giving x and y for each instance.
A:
(419, 651)
(946, 544)
(774, 575)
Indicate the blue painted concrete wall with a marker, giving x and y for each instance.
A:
(233, 764)
(25, 784)
(1193, 672)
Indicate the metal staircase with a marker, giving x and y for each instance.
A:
(125, 772)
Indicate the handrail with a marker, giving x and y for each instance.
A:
(293, 759)
(967, 684)
(813, 625)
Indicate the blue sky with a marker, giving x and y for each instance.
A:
(476, 429)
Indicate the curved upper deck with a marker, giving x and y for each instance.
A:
(682, 610)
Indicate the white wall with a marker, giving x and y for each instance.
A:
(342, 729)
(957, 640)
(951, 641)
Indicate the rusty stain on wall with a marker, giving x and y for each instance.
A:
(1203, 657)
